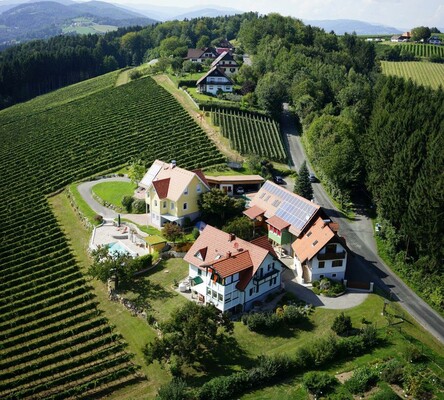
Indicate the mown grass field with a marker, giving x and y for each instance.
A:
(422, 73)
(55, 341)
(113, 192)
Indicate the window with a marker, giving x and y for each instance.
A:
(186, 190)
(228, 280)
(331, 248)
(220, 297)
(172, 205)
(333, 275)
(214, 294)
(251, 291)
(199, 188)
(155, 203)
(321, 276)
(185, 206)
(315, 243)
(199, 272)
(321, 264)
(164, 204)
(208, 291)
(337, 263)
(227, 298)
(309, 234)
(211, 88)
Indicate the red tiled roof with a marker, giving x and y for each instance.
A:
(161, 186)
(244, 277)
(232, 264)
(277, 222)
(265, 244)
(244, 255)
(254, 212)
(316, 237)
(201, 175)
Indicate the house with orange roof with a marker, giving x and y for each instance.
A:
(232, 273)
(320, 253)
(172, 193)
(300, 231)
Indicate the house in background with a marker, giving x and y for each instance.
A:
(235, 184)
(200, 55)
(320, 253)
(224, 45)
(292, 222)
(214, 81)
(226, 63)
(232, 273)
(172, 193)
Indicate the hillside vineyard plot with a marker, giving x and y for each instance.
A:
(251, 134)
(422, 50)
(54, 342)
(422, 73)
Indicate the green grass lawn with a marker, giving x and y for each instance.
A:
(156, 292)
(82, 205)
(113, 192)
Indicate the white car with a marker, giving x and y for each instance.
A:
(240, 190)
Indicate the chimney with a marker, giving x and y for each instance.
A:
(228, 254)
(232, 237)
(173, 163)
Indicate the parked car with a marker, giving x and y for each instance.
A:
(279, 180)
(313, 178)
(240, 190)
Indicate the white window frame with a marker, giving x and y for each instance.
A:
(185, 206)
(172, 205)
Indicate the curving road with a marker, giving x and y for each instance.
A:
(364, 265)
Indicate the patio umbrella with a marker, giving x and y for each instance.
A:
(118, 220)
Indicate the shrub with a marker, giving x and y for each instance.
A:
(261, 322)
(385, 394)
(293, 315)
(411, 353)
(138, 206)
(127, 202)
(342, 324)
(315, 284)
(195, 232)
(318, 382)
(362, 380)
(175, 390)
(98, 218)
(323, 351)
(392, 372)
(353, 346)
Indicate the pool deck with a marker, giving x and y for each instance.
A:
(128, 235)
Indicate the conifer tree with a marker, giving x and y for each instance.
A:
(302, 186)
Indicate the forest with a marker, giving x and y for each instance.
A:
(362, 131)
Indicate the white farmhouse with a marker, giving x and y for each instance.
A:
(214, 81)
(232, 273)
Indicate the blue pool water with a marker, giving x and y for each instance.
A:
(119, 248)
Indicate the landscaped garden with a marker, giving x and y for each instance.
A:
(113, 192)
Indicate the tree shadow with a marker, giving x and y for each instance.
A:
(143, 290)
(225, 359)
(289, 331)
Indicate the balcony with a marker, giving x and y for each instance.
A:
(331, 256)
(257, 279)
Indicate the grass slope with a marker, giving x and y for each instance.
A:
(54, 341)
(113, 192)
(423, 73)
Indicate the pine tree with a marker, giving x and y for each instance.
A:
(302, 186)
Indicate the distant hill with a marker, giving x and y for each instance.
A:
(341, 26)
(164, 13)
(206, 12)
(43, 19)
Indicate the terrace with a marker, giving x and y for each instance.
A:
(126, 238)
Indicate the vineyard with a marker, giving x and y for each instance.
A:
(422, 50)
(251, 134)
(423, 73)
(55, 343)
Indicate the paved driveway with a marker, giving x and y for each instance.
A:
(347, 300)
(364, 263)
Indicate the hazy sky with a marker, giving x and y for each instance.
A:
(398, 13)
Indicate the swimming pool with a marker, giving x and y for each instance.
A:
(120, 248)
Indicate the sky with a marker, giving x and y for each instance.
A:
(397, 13)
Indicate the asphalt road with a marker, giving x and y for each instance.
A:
(364, 264)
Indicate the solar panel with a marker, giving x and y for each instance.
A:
(151, 174)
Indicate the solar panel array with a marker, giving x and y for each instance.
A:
(150, 175)
(292, 210)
